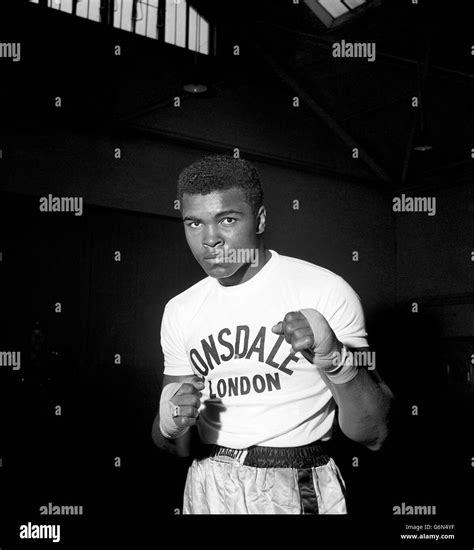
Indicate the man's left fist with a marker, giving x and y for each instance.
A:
(317, 342)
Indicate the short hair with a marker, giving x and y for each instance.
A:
(219, 173)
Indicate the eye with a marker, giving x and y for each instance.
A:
(193, 225)
(230, 220)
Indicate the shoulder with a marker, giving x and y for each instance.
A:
(331, 289)
(313, 273)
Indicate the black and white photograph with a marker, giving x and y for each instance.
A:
(237, 273)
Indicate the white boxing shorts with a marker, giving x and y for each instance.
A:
(265, 480)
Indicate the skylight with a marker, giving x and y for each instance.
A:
(335, 12)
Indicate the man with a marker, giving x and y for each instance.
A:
(258, 357)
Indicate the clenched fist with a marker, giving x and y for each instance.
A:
(316, 340)
(186, 402)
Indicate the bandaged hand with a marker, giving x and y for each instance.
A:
(179, 407)
(308, 332)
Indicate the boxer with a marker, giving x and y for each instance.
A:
(257, 360)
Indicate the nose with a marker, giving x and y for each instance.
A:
(211, 238)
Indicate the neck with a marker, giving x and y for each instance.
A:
(247, 271)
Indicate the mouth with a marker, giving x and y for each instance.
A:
(213, 257)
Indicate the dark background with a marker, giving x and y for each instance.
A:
(113, 307)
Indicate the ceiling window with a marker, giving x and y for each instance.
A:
(61, 5)
(173, 21)
(123, 11)
(147, 20)
(198, 33)
(335, 12)
(89, 9)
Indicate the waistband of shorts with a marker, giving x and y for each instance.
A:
(307, 456)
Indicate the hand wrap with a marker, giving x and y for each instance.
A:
(168, 410)
(338, 366)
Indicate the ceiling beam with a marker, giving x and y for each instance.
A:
(327, 44)
(319, 111)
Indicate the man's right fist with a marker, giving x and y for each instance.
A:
(186, 402)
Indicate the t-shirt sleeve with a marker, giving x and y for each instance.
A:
(172, 343)
(345, 315)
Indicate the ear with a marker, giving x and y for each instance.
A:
(261, 220)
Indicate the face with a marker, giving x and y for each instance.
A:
(217, 223)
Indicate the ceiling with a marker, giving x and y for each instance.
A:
(370, 103)
(284, 52)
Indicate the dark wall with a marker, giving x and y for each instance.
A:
(435, 252)
(107, 308)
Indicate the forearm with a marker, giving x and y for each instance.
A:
(364, 407)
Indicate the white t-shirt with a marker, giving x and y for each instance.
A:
(257, 392)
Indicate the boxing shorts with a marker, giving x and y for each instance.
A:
(264, 480)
